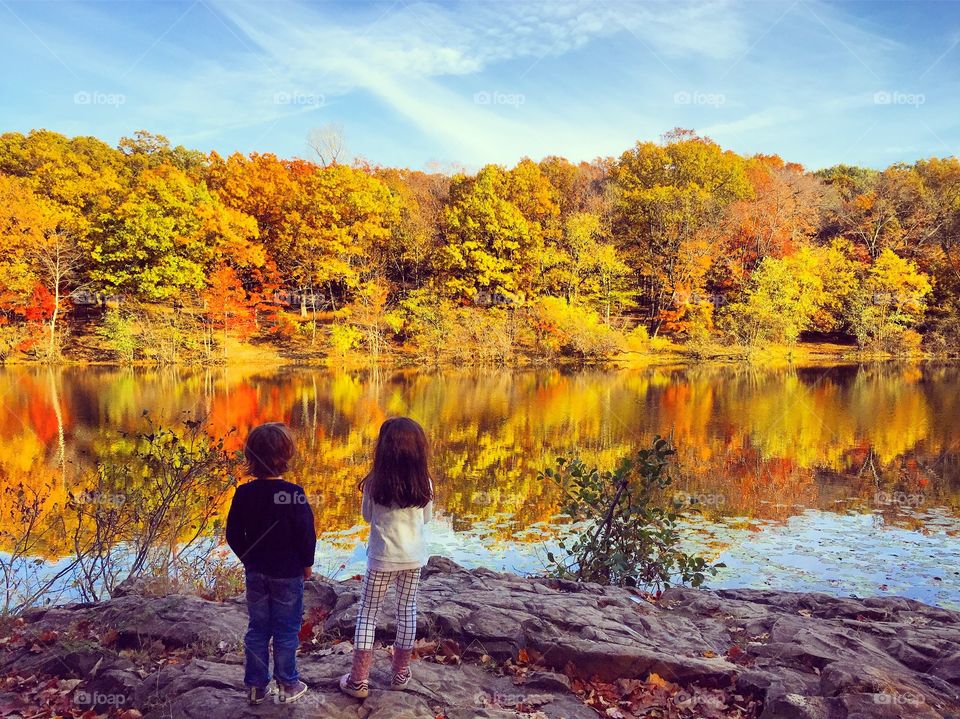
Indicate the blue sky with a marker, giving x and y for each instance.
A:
(420, 83)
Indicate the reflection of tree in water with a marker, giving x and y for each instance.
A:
(765, 442)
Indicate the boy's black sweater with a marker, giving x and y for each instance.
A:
(270, 528)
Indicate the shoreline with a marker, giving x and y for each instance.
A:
(802, 354)
(499, 645)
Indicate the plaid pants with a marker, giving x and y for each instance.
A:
(375, 585)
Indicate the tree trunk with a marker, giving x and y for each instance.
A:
(53, 322)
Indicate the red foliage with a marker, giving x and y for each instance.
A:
(40, 306)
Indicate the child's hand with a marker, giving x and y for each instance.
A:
(307, 572)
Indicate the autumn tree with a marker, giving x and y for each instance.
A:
(880, 210)
(580, 187)
(344, 219)
(486, 239)
(58, 260)
(892, 298)
(146, 150)
(939, 254)
(781, 214)
(22, 225)
(163, 238)
(328, 143)
(789, 295)
(668, 197)
(83, 176)
(40, 259)
(590, 268)
(228, 306)
(414, 240)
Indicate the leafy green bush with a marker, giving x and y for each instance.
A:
(121, 334)
(152, 512)
(625, 537)
(572, 330)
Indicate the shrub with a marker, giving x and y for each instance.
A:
(153, 513)
(344, 339)
(119, 330)
(623, 536)
(638, 339)
(573, 330)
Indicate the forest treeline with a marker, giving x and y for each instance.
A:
(150, 252)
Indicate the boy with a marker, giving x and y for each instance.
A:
(270, 528)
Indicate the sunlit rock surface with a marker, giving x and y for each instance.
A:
(798, 655)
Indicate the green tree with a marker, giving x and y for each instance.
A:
(783, 297)
(164, 237)
(892, 298)
(486, 239)
(667, 199)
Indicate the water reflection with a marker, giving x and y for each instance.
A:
(758, 444)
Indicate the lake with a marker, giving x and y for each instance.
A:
(844, 479)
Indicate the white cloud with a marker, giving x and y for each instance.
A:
(593, 76)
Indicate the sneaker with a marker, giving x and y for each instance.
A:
(401, 679)
(292, 692)
(358, 690)
(257, 695)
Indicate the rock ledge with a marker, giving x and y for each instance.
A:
(797, 656)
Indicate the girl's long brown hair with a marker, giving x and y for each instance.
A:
(399, 477)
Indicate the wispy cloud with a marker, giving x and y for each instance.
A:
(481, 81)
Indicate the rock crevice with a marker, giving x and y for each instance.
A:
(798, 656)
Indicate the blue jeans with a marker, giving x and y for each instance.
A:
(275, 606)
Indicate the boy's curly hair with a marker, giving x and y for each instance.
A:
(269, 449)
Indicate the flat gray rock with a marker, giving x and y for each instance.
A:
(803, 656)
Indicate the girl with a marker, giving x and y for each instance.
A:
(397, 502)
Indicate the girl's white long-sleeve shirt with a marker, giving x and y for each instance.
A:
(396, 535)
